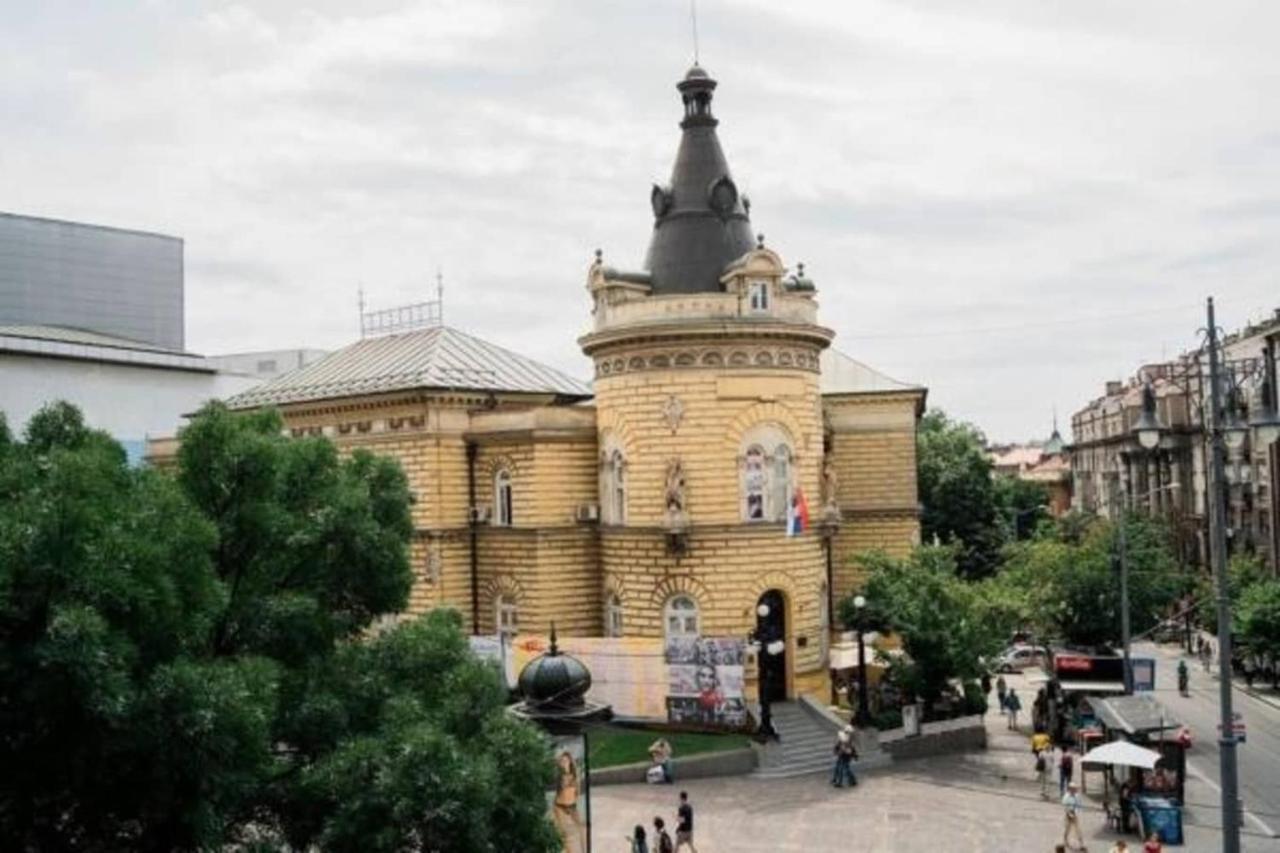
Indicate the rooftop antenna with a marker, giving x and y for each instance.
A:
(693, 17)
(440, 293)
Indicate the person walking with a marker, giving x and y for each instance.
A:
(684, 827)
(1066, 769)
(637, 840)
(1071, 819)
(846, 753)
(1013, 705)
(1002, 690)
(661, 838)
(1152, 844)
(1120, 847)
(1042, 772)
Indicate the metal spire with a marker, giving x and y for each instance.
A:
(693, 17)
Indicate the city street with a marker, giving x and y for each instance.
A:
(1258, 757)
(973, 803)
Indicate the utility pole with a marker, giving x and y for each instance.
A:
(1218, 557)
(1124, 603)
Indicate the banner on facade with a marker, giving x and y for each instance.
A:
(705, 681)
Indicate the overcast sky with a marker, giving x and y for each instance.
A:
(1005, 200)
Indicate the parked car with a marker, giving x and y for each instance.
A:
(1018, 658)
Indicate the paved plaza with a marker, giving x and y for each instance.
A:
(984, 801)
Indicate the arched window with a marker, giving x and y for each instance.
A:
(502, 498)
(613, 617)
(613, 486)
(767, 469)
(506, 616)
(681, 617)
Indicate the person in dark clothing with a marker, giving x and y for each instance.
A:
(661, 838)
(1066, 769)
(684, 829)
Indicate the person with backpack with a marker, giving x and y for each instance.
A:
(1066, 769)
(661, 838)
(1042, 773)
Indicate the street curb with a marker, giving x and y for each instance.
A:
(1273, 701)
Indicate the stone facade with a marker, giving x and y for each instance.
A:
(1112, 472)
(714, 408)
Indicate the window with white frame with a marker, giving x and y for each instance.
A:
(502, 498)
(506, 616)
(681, 617)
(613, 617)
(767, 468)
(758, 295)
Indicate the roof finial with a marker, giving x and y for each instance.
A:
(693, 17)
(554, 650)
(599, 256)
(760, 240)
(800, 270)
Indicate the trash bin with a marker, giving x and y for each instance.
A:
(1162, 816)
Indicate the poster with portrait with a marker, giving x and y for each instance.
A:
(705, 681)
(569, 797)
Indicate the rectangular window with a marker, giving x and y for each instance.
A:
(759, 291)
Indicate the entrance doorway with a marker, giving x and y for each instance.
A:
(771, 629)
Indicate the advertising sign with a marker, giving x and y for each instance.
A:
(1144, 674)
(569, 799)
(704, 681)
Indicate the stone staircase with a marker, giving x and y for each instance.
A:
(806, 744)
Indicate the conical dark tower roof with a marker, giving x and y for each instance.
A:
(701, 222)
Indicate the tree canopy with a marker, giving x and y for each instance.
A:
(1068, 586)
(942, 620)
(963, 504)
(185, 660)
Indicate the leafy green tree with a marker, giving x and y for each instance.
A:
(1071, 590)
(1243, 572)
(939, 617)
(1022, 508)
(957, 493)
(183, 662)
(1258, 619)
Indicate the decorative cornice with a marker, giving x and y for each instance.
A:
(747, 357)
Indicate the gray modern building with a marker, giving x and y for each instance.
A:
(94, 315)
(113, 281)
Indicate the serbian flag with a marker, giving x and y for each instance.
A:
(797, 513)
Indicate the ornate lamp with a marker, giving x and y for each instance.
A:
(1147, 428)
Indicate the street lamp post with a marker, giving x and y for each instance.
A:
(1222, 434)
(864, 711)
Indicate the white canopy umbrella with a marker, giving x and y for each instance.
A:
(1122, 752)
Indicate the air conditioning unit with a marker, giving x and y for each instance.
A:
(587, 512)
(478, 515)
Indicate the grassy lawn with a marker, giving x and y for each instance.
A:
(611, 747)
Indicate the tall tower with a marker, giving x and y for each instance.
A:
(710, 422)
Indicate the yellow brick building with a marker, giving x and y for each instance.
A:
(654, 501)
